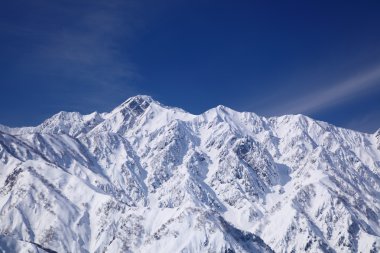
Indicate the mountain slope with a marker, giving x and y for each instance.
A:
(146, 177)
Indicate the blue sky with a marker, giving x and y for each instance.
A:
(319, 58)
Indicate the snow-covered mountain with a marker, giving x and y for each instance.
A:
(150, 178)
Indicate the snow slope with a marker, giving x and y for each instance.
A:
(150, 178)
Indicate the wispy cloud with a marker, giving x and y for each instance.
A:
(329, 96)
(88, 45)
(89, 49)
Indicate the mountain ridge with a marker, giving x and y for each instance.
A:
(6, 128)
(149, 177)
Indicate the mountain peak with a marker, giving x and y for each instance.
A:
(137, 100)
(141, 98)
(136, 103)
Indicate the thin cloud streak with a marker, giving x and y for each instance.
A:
(92, 43)
(91, 51)
(333, 95)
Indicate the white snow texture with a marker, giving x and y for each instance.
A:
(150, 178)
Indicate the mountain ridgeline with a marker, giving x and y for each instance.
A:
(150, 178)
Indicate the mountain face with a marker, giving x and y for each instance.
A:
(151, 178)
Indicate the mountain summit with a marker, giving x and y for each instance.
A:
(150, 178)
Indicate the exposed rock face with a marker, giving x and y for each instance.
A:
(150, 178)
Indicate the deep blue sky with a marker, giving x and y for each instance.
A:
(319, 58)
